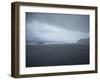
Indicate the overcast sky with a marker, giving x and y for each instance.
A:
(56, 27)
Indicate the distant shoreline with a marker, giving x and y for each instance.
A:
(50, 43)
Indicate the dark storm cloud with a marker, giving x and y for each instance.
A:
(69, 21)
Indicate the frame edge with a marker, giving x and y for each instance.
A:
(14, 40)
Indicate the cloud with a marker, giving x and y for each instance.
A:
(39, 31)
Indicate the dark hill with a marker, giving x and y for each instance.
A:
(83, 41)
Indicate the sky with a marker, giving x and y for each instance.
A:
(51, 27)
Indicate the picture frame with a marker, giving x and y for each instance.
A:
(43, 34)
